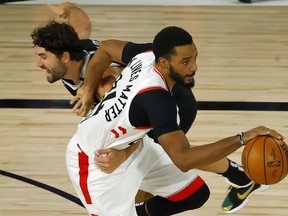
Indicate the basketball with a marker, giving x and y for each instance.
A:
(265, 160)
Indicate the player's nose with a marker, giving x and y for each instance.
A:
(39, 63)
(193, 67)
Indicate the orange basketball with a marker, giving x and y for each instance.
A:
(265, 160)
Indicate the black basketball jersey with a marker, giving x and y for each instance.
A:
(89, 48)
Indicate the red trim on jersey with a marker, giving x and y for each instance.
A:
(143, 127)
(83, 163)
(150, 89)
(187, 191)
(148, 51)
(160, 74)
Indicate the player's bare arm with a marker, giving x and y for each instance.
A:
(63, 9)
(108, 51)
(75, 16)
(185, 157)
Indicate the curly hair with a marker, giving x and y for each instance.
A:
(58, 38)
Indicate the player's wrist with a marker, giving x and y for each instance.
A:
(87, 91)
(241, 138)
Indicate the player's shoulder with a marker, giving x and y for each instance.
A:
(131, 49)
(89, 44)
(147, 56)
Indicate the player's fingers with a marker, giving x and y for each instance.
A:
(262, 130)
(103, 151)
(275, 134)
(108, 171)
(100, 160)
(77, 106)
(83, 110)
(103, 166)
(74, 100)
(80, 111)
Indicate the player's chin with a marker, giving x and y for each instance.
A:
(189, 82)
(49, 76)
(50, 79)
(188, 79)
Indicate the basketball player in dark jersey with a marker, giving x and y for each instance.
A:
(182, 96)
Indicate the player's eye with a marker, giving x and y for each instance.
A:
(186, 62)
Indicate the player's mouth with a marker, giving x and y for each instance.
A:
(190, 78)
(48, 72)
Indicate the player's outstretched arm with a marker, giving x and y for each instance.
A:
(185, 157)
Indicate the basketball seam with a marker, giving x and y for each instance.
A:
(282, 161)
(249, 154)
(264, 158)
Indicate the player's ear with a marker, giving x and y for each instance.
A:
(163, 62)
(65, 57)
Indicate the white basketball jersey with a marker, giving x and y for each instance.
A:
(108, 125)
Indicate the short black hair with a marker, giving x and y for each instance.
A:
(57, 38)
(167, 39)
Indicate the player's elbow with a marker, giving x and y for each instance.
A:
(183, 169)
(182, 165)
(185, 162)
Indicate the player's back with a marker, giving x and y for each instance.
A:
(108, 125)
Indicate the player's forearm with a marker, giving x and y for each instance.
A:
(132, 148)
(100, 61)
(211, 153)
(80, 22)
(185, 157)
(108, 51)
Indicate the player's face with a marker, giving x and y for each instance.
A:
(183, 65)
(55, 69)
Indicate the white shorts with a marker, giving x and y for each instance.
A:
(148, 168)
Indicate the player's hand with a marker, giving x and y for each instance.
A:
(261, 130)
(109, 160)
(83, 102)
(63, 9)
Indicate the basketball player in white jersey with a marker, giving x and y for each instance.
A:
(139, 101)
(185, 105)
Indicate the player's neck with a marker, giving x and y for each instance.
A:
(166, 75)
(74, 71)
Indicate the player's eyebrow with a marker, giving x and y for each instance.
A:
(40, 54)
(189, 57)
(186, 58)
